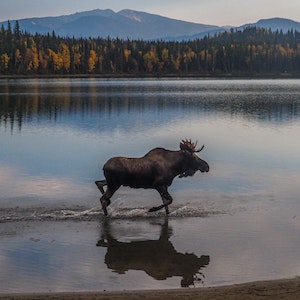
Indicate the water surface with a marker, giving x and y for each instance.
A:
(237, 223)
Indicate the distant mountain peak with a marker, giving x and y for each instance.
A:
(131, 14)
(132, 24)
(95, 12)
(276, 19)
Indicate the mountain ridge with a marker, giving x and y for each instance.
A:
(275, 23)
(131, 24)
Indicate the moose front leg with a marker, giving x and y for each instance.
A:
(166, 199)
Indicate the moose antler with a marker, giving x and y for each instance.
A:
(188, 145)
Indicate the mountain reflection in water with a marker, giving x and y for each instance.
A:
(158, 258)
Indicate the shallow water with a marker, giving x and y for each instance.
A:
(237, 223)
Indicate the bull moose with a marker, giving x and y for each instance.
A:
(156, 170)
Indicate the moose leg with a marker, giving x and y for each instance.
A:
(105, 199)
(166, 199)
(100, 184)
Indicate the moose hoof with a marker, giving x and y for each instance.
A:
(105, 211)
(152, 209)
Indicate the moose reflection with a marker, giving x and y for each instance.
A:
(158, 258)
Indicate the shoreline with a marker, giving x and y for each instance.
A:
(273, 289)
(154, 76)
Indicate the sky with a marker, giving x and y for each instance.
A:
(211, 12)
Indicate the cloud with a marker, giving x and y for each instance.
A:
(15, 183)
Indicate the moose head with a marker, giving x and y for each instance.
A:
(196, 163)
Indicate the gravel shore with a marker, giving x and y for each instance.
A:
(277, 289)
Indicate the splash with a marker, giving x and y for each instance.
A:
(94, 213)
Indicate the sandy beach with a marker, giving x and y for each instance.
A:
(276, 289)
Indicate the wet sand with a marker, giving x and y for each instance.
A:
(276, 289)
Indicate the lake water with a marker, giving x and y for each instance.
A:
(240, 222)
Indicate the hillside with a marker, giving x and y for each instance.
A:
(251, 52)
(103, 23)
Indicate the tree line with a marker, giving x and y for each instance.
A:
(251, 51)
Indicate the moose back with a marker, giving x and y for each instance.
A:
(156, 170)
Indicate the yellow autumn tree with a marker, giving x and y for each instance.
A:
(43, 61)
(54, 60)
(92, 61)
(18, 59)
(165, 55)
(76, 57)
(31, 59)
(101, 61)
(175, 61)
(126, 54)
(65, 57)
(151, 60)
(4, 61)
(187, 56)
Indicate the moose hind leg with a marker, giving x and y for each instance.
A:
(100, 184)
(105, 199)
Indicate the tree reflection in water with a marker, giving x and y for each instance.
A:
(158, 258)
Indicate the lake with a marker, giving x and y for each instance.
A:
(240, 222)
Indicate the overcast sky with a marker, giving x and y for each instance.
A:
(212, 12)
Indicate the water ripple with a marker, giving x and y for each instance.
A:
(86, 214)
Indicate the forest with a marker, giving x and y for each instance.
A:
(249, 52)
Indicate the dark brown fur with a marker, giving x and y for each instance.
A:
(155, 170)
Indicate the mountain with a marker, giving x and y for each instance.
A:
(134, 25)
(275, 24)
(123, 24)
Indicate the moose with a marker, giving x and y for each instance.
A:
(156, 170)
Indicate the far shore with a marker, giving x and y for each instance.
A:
(145, 76)
(275, 290)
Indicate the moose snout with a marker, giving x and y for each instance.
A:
(204, 167)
